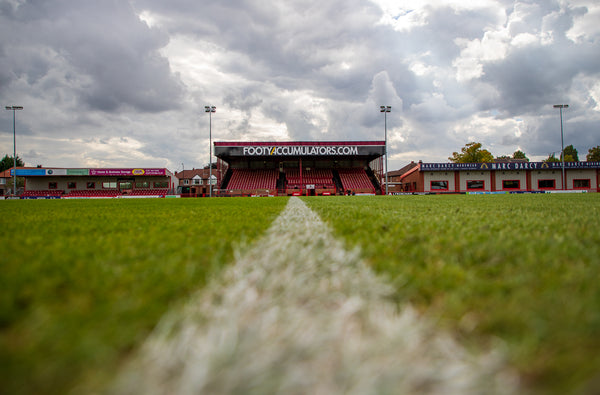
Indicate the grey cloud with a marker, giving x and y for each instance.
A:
(88, 69)
(104, 41)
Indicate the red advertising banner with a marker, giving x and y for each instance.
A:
(128, 172)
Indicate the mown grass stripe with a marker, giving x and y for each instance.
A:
(298, 313)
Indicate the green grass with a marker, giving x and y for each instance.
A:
(83, 282)
(522, 268)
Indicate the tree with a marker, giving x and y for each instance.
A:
(551, 158)
(7, 163)
(571, 154)
(520, 155)
(472, 153)
(593, 154)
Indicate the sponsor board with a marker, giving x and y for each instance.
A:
(127, 172)
(140, 196)
(569, 191)
(89, 172)
(300, 150)
(39, 197)
(488, 193)
(508, 166)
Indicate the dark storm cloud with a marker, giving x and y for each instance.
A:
(113, 53)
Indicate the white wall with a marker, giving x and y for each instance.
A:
(520, 175)
(475, 176)
(581, 174)
(537, 175)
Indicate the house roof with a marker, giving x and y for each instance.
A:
(403, 170)
(189, 174)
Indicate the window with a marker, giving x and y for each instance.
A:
(90, 185)
(186, 182)
(197, 181)
(439, 185)
(109, 185)
(511, 184)
(161, 184)
(475, 184)
(2, 181)
(71, 185)
(584, 183)
(546, 184)
(52, 185)
(145, 184)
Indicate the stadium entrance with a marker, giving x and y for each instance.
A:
(299, 168)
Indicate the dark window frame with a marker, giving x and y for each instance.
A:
(547, 180)
(446, 182)
(589, 183)
(511, 188)
(478, 188)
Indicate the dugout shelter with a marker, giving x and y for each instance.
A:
(299, 168)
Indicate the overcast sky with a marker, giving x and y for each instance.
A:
(118, 83)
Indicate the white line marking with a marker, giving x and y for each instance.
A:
(299, 314)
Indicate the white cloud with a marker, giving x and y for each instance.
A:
(586, 26)
(405, 15)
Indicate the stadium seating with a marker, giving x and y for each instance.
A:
(43, 193)
(93, 193)
(355, 179)
(149, 192)
(246, 179)
(320, 178)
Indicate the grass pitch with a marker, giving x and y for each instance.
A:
(83, 282)
(521, 268)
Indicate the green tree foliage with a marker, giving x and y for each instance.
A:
(593, 154)
(472, 153)
(520, 155)
(551, 158)
(571, 154)
(7, 163)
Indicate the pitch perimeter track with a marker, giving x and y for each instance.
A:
(300, 314)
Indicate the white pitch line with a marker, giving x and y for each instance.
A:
(299, 314)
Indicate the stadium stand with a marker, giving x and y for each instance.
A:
(355, 179)
(296, 168)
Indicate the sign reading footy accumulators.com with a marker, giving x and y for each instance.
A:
(301, 150)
